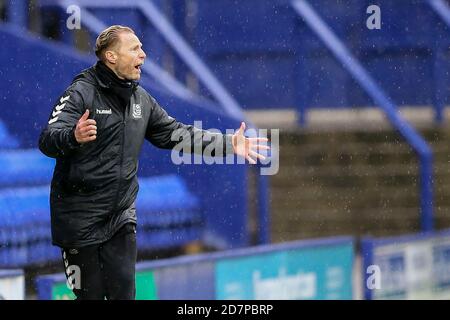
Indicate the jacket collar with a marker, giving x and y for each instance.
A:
(91, 75)
(108, 79)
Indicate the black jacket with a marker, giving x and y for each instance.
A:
(94, 185)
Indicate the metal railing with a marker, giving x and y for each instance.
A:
(354, 67)
(442, 9)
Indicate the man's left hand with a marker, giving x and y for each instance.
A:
(248, 147)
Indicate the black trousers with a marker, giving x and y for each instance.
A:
(106, 270)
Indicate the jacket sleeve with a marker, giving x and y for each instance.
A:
(58, 138)
(165, 132)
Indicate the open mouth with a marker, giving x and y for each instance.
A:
(138, 66)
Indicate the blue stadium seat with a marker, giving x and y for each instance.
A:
(24, 168)
(164, 194)
(168, 215)
(7, 141)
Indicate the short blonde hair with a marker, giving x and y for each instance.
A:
(108, 38)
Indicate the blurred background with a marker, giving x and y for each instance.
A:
(355, 94)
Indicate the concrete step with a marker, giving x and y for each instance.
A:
(300, 138)
(365, 225)
(362, 224)
(335, 176)
(360, 183)
(371, 193)
(306, 174)
(370, 159)
(354, 201)
(357, 149)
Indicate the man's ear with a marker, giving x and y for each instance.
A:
(111, 56)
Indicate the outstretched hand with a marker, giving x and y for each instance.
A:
(248, 147)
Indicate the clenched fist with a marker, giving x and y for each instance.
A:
(86, 129)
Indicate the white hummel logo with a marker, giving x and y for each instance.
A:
(64, 99)
(55, 113)
(52, 120)
(104, 111)
(58, 109)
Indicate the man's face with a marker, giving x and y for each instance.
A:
(130, 57)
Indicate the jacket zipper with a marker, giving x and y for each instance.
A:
(121, 159)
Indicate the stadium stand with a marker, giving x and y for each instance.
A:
(197, 209)
(344, 168)
(169, 216)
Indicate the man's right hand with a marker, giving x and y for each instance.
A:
(86, 129)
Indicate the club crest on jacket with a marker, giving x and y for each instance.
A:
(137, 111)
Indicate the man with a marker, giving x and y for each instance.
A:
(95, 132)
